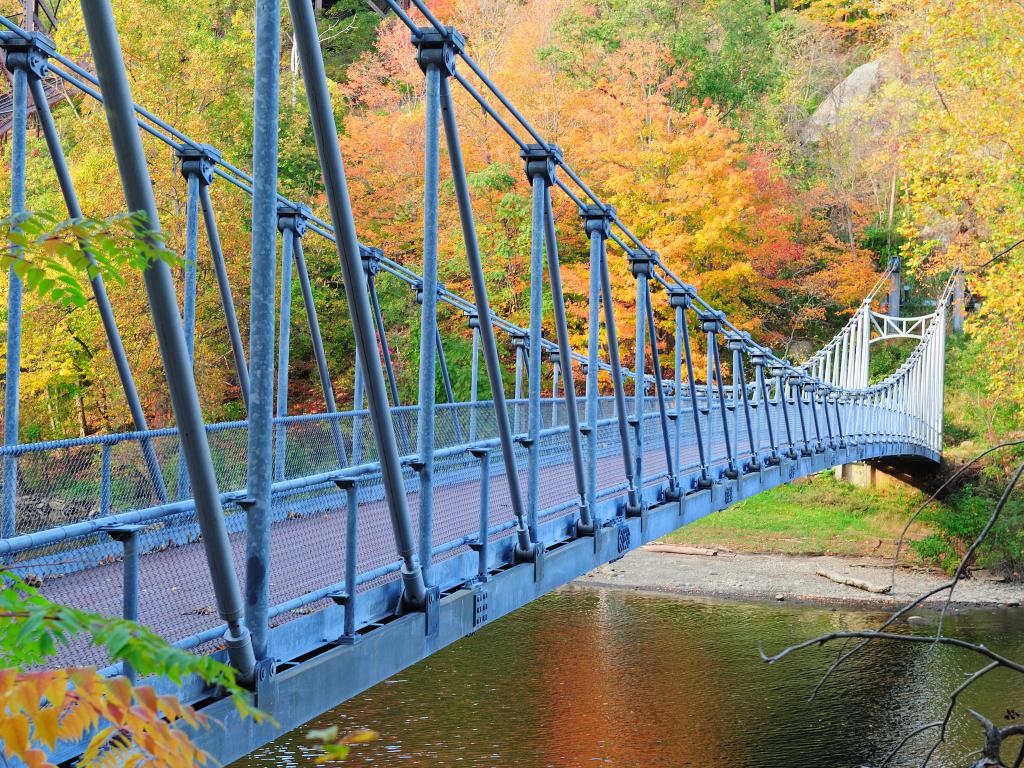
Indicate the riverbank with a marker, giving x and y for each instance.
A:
(788, 578)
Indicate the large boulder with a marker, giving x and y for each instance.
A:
(849, 95)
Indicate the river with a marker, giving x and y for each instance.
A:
(595, 678)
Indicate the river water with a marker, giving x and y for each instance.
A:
(596, 678)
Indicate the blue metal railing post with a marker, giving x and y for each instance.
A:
(673, 492)
(8, 524)
(325, 132)
(473, 321)
(313, 324)
(283, 346)
(597, 229)
(597, 222)
(128, 537)
(738, 345)
(711, 323)
(483, 454)
(682, 299)
(640, 265)
(189, 298)
(138, 190)
(263, 283)
(427, 296)
(759, 360)
(535, 359)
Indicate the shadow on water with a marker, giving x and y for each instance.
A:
(592, 678)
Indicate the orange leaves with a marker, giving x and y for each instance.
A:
(45, 708)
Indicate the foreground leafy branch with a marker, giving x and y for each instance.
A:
(124, 725)
(52, 255)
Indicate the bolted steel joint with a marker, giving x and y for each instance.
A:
(418, 288)
(758, 358)
(292, 218)
(555, 356)
(541, 162)
(598, 219)
(371, 258)
(779, 371)
(641, 262)
(520, 340)
(32, 56)
(736, 342)
(682, 296)
(200, 161)
(437, 48)
(711, 322)
(472, 320)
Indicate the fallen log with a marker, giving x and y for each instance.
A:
(857, 583)
(679, 549)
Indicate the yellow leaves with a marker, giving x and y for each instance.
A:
(47, 707)
(14, 734)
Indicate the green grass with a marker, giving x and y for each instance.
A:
(820, 515)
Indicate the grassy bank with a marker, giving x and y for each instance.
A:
(819, 515)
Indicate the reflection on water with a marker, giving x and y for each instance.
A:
(585, 678)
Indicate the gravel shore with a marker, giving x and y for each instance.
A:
(764, 577)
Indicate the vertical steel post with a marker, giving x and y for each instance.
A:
(358, 400)
(313, 323)
(526, 548)
(554, 359)
(191, 265)
(283, 350)
(585, 525)
(473, 321)
(634, 505)
(711, 323)
(128, 537)
(227, 302)
(484, 455)
(427, 296)
(683, 299)
(959, 304)
(597, 228)
(336, 188)
(189, 298)
(673, 492)
(758, 361)
(263, 279)
(105, 475)
(640, 262)
(739, 380)
(677, 371)
(131, 161)
(8, 525)
(535, 358)
(519, 342)
(351, 488)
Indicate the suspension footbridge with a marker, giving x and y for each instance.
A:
(321, 553)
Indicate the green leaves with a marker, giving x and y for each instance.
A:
(32, 629)
(55, 258)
